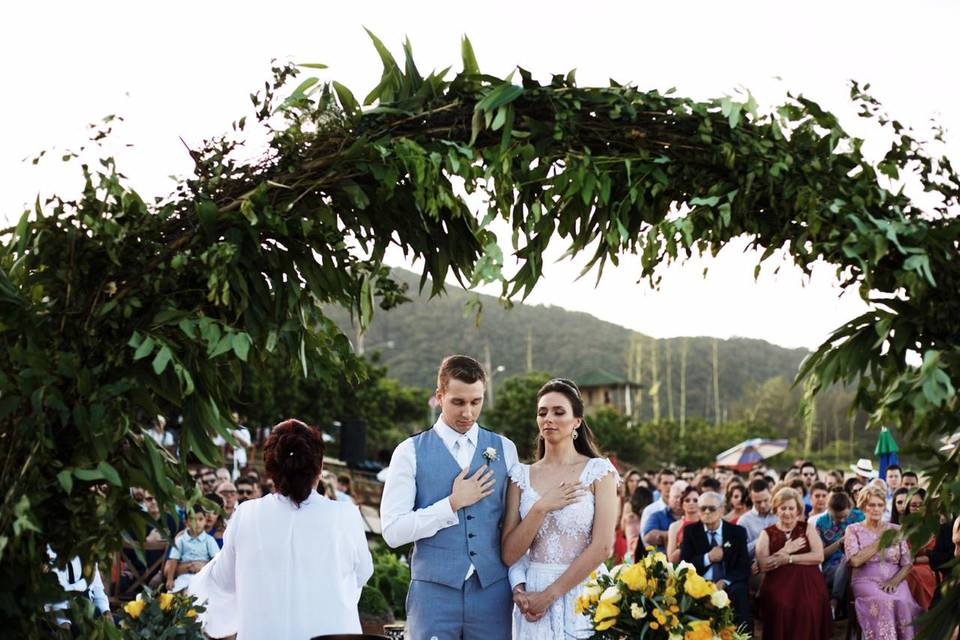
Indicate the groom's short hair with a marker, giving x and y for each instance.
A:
(462, 368)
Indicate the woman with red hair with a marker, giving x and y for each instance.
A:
(293, 562)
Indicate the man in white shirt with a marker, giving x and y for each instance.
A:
(760, 516)
(445, 492)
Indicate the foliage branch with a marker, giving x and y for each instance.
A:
(112, 308)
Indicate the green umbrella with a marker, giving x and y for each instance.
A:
(886, 450)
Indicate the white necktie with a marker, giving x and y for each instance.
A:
(461, 449)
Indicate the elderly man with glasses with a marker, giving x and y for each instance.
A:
(718, 550)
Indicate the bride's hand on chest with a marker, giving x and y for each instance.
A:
(560, 496)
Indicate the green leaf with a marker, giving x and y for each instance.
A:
(470, 66)
(223, 345)
(349, 104)
(241, 345)
(88, 475)
(161, 360)
(145, 349)
(65, 478)
(109, 473)
(312, 65)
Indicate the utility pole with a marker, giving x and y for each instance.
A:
(529, 349)
(716, 381)
(669, 355)
(684, 349)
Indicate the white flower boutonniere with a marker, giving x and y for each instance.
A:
(490, 454)
(727, 545)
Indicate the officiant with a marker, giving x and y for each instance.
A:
(293, 562)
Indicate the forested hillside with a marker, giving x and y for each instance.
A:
(413, 337)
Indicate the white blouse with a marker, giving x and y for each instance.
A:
(286, 572)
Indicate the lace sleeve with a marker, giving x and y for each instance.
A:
(518, 475)
(597, 468)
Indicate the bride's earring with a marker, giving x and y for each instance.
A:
(575, 434)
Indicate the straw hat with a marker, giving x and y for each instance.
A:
(864, 468)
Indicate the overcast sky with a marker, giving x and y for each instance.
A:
(179, 69)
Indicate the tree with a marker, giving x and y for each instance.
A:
(111, 307)
(515, 414)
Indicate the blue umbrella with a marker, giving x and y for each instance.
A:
(886, 450)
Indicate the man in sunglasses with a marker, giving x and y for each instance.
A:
(718, 550)
(247, 489)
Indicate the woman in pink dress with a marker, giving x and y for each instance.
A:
(885, 608)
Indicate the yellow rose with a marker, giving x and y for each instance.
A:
(134, 608)
(192, 613)
(612, 595)
(699, 630)
(634, 577)
(697, 587)
(606, 616)
(166, 599)
(636, 611)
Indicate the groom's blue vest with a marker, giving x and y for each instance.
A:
(446, 556)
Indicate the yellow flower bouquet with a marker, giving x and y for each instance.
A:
(161, 615)
(655, 600)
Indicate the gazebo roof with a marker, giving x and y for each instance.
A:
(603, 378)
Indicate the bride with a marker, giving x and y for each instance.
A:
(560, 518)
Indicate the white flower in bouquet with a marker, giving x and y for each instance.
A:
(616, 570)
(636, 611)
(675, 636)
(720, 599)
(685, 565)
(611, 595)
(593, 591)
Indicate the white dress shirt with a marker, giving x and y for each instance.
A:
(286, 571)
(71, 578)
(402, 524)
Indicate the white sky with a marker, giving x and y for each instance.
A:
(185, 69)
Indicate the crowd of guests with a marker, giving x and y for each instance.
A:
(795, 550)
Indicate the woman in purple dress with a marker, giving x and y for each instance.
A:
(885, 608)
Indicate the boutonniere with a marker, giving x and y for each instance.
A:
(490, 454)
(727, 545)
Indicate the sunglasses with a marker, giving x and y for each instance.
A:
(229, 492)
(709, 508)
(246, 492)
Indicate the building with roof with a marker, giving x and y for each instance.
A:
(600, 388)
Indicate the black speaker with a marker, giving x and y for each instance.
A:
(353, 441)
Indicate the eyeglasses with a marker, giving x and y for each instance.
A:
(228, 492)
(808, 474)
(709, 508)
(246, 492)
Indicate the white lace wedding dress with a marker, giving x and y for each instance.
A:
(563, 536)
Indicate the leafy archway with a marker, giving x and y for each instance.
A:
(113, 308)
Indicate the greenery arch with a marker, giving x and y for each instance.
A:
(112, 308)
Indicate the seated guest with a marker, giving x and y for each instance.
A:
(819, 494)
(656, 531)
(345, 489)
(885, 608)
(661, 496)
(228, 492)
(910, 480)
(921, 580)
(898, 505)
(215, 524)
(690, 503)
(718, 550)
(831, 526)
(293, 563)
(247, 489)
(737, 501)
(639, 500)
(853, 486)
(793, 598)
(759, 517)
(192, 549)
(71, 579)
(943, 552)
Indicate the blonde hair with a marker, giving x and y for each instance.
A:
(870, 491)
(786, 494)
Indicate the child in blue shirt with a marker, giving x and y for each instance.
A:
(192, 549)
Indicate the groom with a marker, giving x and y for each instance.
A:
(445, 492)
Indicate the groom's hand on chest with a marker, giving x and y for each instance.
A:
(468, 491)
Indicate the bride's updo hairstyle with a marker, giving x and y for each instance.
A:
(294, 458)
(584, 442)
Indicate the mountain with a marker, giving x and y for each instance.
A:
(414, 337)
